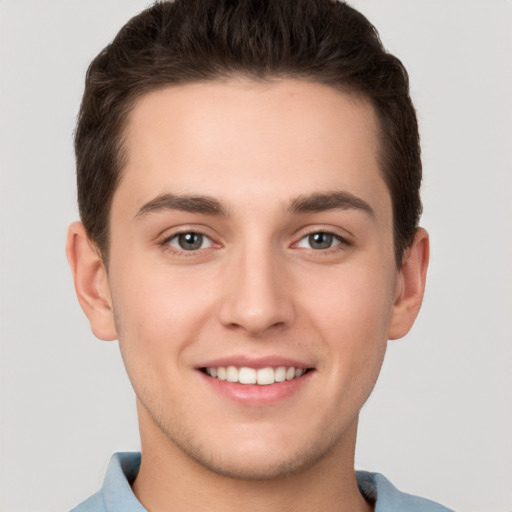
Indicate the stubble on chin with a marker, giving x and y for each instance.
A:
(233, 463)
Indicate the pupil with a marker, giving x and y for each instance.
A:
(190, 241)
(320, 240)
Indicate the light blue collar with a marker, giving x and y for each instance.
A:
(116, 494)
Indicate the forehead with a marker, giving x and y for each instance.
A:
(243, 139)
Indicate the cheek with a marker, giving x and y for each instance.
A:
(353, 312)
(151, 310)
(353, 300)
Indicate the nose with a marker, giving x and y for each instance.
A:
(258, 294)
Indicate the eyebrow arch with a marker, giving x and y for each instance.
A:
(185, 203)
(337, 200)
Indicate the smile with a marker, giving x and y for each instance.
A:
(259, 376)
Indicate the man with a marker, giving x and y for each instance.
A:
(248, 184)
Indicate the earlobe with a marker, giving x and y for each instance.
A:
(411, 286)
(91, 282)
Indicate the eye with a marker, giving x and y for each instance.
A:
(189, 241)
(319, 241)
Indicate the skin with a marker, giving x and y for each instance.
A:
(256, 287)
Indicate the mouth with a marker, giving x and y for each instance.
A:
(255, 376)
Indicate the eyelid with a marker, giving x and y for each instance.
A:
(177, 235)
(328, 230)
(173, 233)
(337, 239)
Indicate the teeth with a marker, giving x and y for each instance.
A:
(232, 374)
(247, 376)
(265, 376)
(280, 374)
(260, 376)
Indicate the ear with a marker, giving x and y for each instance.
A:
(410, 286)
(91, 282)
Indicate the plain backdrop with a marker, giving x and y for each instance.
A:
(440, 420)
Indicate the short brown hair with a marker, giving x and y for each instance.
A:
(184, 41)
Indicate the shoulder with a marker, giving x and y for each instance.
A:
(94, 503)
(116, 494)
(378, 489)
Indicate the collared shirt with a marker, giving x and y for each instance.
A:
(116, 494)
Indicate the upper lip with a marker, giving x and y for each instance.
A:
(255, 362)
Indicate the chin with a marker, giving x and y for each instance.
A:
(259, 461)
(254, 468)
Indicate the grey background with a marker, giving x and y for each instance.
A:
(439, 421)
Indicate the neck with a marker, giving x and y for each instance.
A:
(169, 479)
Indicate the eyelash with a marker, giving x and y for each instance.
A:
(166, 243)
(340, 244)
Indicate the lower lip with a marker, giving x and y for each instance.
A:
(252, 395)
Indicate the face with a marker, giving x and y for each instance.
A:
(251, 272)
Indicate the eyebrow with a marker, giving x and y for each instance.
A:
(313, 203)
(185, 203)
(337, 200)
